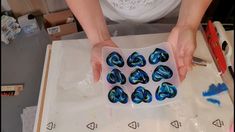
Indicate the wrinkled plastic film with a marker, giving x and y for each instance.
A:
(70, 81)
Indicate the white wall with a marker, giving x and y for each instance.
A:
(5, 5)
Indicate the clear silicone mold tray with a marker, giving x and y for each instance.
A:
(140, 77)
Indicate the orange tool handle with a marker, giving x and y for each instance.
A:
(213, 41)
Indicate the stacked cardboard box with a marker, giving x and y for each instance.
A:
(59, 24)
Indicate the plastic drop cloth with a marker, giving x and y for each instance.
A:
(73, 103)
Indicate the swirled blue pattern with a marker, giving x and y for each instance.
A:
(135, 59)
(115, 76)
(165, 90)
(138, 76)
(158, 55)
(141, 95)
(161, 72)
(115, 59)
(116, 94)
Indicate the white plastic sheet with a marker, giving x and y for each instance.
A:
(73, 103)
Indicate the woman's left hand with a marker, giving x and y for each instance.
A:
(183, 42)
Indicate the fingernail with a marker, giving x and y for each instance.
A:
(182, 78)
(183, 70)
(190, 68)
(232, 128)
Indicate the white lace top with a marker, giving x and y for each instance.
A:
(137, 10)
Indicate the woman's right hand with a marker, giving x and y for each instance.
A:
(96, 57)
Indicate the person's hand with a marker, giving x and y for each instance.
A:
(183, 42)
(96, 57)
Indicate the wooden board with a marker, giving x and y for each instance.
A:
(41, 100)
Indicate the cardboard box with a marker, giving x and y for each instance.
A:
(57, 24)
(22, 7)
(57, 31)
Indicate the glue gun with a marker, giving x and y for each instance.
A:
(225, 45)
(215, 48)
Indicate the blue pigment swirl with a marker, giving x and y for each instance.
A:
(165, 90)
(115, 76)
(138, 76)
(158, 55)
(115, 59)
(141, 95)
(116, 94)
(213, 101)
(135, 59)
(161, 72)
(214, 90)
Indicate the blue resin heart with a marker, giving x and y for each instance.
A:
(158, 55)
(165, 90)
(135, 59)
(115, 59)
(116, 94)
(161, 72)
(138, 76)
(115, 76)
(141, 95)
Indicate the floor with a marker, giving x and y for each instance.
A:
(21, 63)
